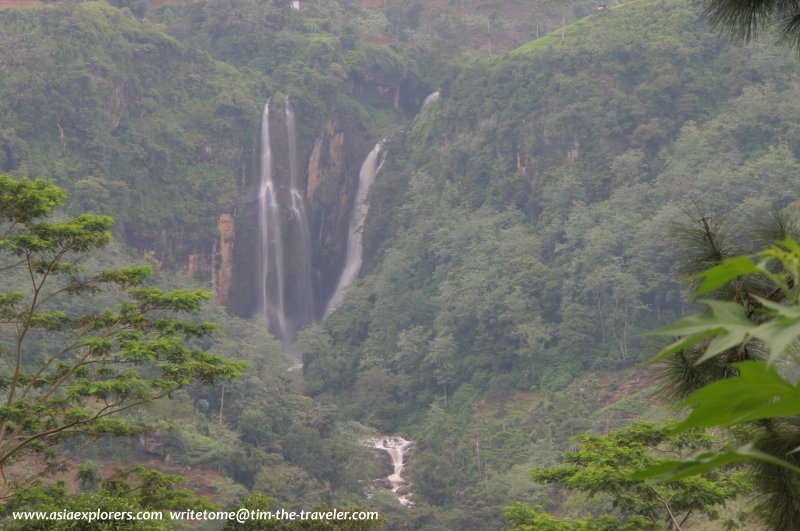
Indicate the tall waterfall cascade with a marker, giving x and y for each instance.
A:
(285, 298)
(355, 246)
(270, 264)
(298, 230)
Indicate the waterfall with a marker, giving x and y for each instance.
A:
(433, 97)
(397, 448)
(285, 297)
(355, 248)
(301, 285)
(270, 263)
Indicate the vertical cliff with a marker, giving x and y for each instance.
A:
(222, 270)
(332, 182)
(328, 166)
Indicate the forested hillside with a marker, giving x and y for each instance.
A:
(521, 232)
(530, 212)
(85, 97)
(520, 238)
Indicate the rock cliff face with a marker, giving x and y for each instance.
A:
(381, 92)
(222, 259)
(217, 262)
(328, 167)
(332, 143)
(193, 264)
(332, 183)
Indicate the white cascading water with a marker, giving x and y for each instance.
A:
(434, 96)
(285, 297)
(355, 248)
(270, 264)
(303, 299)
(397, 448)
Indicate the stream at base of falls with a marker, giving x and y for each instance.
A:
(397, 448)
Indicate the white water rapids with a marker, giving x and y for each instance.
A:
(397, 448)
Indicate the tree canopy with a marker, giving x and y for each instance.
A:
(71, 368)
(602, 467)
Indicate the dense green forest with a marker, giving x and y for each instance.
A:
(526, 230)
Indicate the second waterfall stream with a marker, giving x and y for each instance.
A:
(355, 246)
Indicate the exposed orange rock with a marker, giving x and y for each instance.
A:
(314, 168)
(333, 160)
(194, 264)
(223, 273)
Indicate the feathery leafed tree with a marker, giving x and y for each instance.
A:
(601, 467)
(69, 368)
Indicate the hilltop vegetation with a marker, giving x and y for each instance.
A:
(132, 121)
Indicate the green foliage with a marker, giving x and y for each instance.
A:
(314, 56)
(516, 238)
(103, 361)
(128, 490)
(482, 27)
(519, 229)
(122, 113)
(603, 465)
(729, 323)
(746, 384)
(521, 518)
(153, 488)
(23, 200)
(756, 391)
